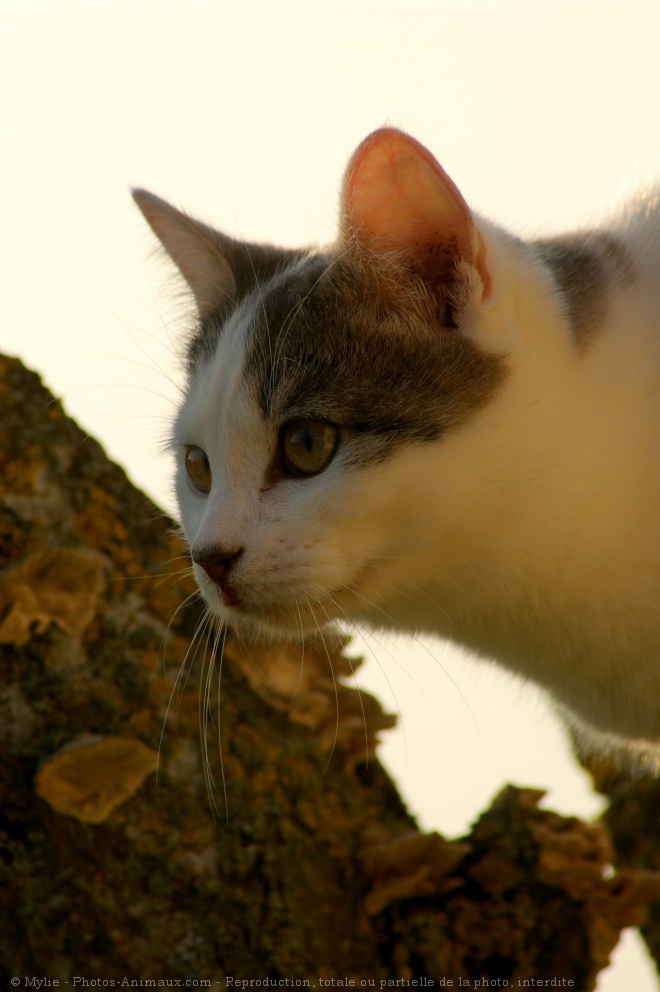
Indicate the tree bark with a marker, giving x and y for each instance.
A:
(273, 847)
(633, 823)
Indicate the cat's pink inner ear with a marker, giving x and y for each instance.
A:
(397, 196)
(191, 247)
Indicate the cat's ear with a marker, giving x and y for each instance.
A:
(194, 249)
(398, 202)
(219, 270)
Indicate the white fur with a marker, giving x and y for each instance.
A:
(531, 535)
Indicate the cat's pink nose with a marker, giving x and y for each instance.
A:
(217, 563)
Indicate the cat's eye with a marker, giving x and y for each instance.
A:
(198, 469)
(308, 445)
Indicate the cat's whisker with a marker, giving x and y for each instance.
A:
(134, 386)
(175, 558)
(216, 635)
(130, 327)
(411, 594)
(302, 657)
(334, 680)
(427, 650)
(176, 346)
(179, 686)
(196, 595)
(158, 579)
(137, 388)
(370, 635)
(213, 634)
(357, 686)
(220, 649)
(166, 581)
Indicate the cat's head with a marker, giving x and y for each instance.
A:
(324, 391)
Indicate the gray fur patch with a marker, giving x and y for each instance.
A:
(324, 344)
(588, 267)
(252, 265)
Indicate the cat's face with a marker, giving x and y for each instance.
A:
(307, 448)
(324, 390)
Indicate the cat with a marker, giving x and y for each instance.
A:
(435, 427)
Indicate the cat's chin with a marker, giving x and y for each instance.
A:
(280, 621)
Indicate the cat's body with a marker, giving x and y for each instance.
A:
(434, 427)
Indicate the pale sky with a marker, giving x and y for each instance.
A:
(542, 111)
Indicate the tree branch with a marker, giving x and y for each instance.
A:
(113, 863)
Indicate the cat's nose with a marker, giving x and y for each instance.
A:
(217, 562)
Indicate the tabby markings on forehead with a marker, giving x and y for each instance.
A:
(589, 268)
(319, 347)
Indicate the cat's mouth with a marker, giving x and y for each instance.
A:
(229, 596)
(297, 614)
